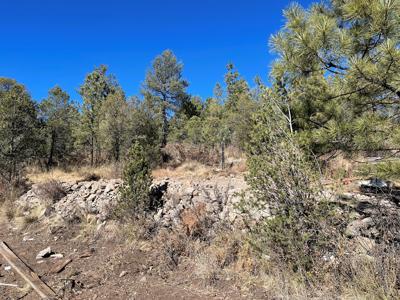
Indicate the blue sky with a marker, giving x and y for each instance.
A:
(44, 43)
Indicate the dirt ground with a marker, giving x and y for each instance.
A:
(102, 269)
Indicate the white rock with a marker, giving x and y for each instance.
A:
(122, 274)
(44, 253)
(56, 255)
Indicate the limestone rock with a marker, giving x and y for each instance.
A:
(44, 253)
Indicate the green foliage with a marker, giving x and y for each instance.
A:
(144, 128)
(338, 62)
(60, 118)
(18, 129)
(114, 124)
(387, 170)
(238, 107)
(135, 193)
(165, 87)
(94, 91)
(282, 179)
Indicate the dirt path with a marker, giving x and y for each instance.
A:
(109, 270)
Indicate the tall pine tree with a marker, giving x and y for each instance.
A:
(165, 87)
(95, 89)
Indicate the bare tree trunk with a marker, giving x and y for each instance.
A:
(164, 125)
(117, 149)
(223, 154)
(51, 153)
(92, 150)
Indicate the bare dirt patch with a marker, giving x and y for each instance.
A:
(102, 267)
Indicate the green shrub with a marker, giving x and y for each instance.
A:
(282, 178)
(135, 192)
(386, 170)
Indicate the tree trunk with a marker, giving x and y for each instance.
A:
(91, 150)
(164, 125)
(50, 159)
(117, 149)
(223, 155)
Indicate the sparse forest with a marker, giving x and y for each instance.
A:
(285, 189)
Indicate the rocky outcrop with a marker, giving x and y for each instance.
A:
(217, 197)
(373, 216)
(175, 202)
(93, 197)
(82, 198)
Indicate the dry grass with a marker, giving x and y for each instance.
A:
(187, 170)
(36, 175)
(88, 226)
(194, 170)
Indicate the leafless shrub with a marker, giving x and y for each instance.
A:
(179, 153)
(90, 177)
(52, 190)
(172, 245)
(374, 274)
(196, 222)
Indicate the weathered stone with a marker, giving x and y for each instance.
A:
(44, 253)
(356, 227)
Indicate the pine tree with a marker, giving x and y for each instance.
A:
(239, 106)
(216, 129)
(113, 124)
(18, 129)
(338, 62)
(236, 88)
(94, 91)
(60, 117)
(165, 87)
(143, 128)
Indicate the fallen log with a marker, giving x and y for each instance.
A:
(44, 291)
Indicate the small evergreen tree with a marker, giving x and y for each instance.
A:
(114, 124)
(135, 193)
(281, 178)
(143, 127)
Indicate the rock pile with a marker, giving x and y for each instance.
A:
(82, 198)
(372, 216)
(218, 198)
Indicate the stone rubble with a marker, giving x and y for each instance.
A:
(368, 211)
(171, 197)
(219, 197)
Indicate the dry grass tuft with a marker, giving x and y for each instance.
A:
(187, 170)
(110, 171)
(52, 190)
(194, 170)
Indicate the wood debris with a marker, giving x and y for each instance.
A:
(44, 291)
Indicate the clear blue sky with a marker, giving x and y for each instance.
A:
(44, 43)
